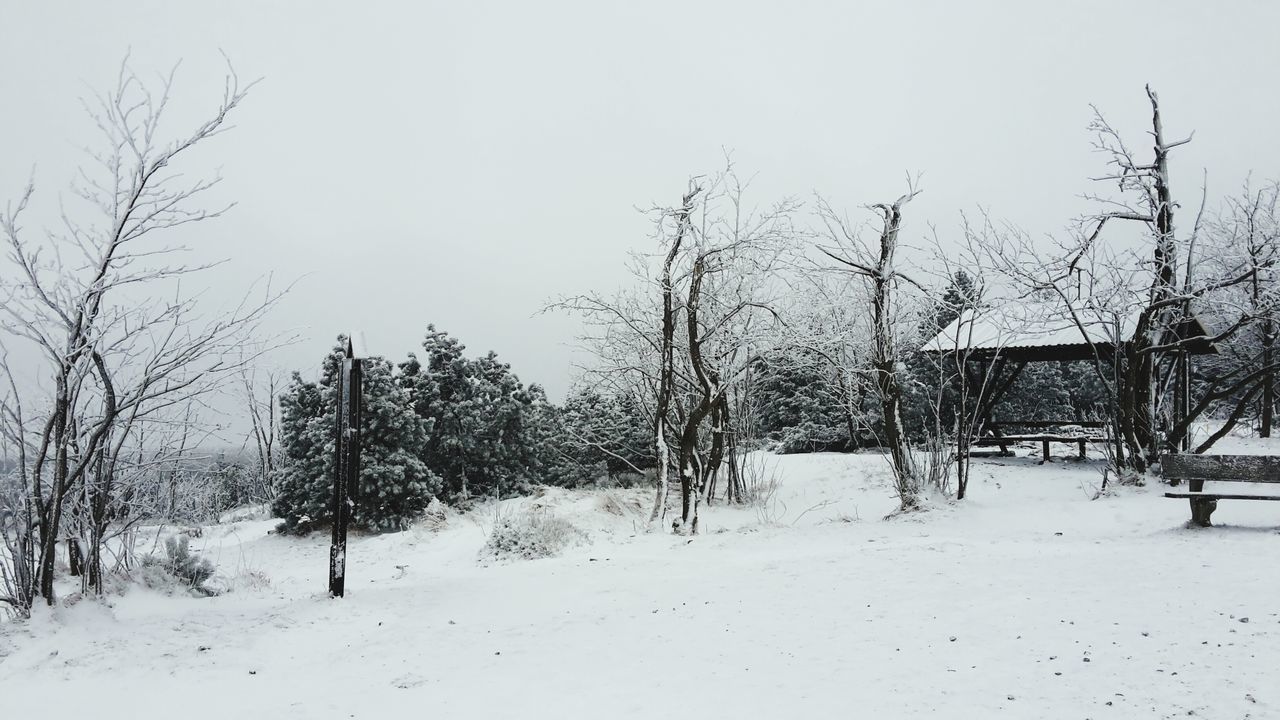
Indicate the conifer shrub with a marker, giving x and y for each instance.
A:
(179, 568)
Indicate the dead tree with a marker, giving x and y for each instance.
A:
(1153, 415)
(877, 266)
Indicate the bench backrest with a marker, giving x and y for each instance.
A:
(1225, 468)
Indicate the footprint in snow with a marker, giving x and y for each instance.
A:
(409, 681)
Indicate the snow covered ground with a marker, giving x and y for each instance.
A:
(1029, 600)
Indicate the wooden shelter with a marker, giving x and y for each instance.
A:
(1005, 338)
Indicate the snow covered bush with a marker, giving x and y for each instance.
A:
(178, 568)
(528, 534)
(436, 516)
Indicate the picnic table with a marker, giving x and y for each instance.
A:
(1081, 434)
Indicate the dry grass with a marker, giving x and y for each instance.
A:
(529, 534)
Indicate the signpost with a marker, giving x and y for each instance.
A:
(346, 466)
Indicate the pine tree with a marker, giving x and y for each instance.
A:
(597, 437)
(800, 406)
(962, 294)
(437, 389)
(395, 484)
(304, 482)
(475, 414)
(548, 455)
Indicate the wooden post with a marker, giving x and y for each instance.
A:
(1184, 396)
(346, 467)
(1116, 344)
(1201, 508)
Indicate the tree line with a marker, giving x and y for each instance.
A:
(444, 425)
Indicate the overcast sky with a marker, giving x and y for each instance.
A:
(461, 163)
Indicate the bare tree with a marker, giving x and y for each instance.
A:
(685, 344)
(728, 311)
(259, 392)
(113, 355)
(682, 217)
(1249, 224)
(828, 332)
(976, 376)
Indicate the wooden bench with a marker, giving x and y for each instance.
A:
(1196, 469)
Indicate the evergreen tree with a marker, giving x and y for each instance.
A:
(545, 440)
(496, 451)
(800, 406)
(475, 413)
(633, 436)
(961, 294)
(599, 437)
(395, 484)
(304, 481)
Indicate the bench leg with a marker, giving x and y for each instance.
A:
(1201, 509)
(1045, 443)
(1082, 453)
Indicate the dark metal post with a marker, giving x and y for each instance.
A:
(346, 470)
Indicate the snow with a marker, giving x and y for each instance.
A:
(1028, 600)
(1015, 324)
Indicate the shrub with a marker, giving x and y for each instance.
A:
(529, 534)
(436, 517)
(179, 567)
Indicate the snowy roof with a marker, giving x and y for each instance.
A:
(1041, 331)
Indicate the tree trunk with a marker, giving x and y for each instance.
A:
(709, 383)
(75, 557)
(1155, 325)
(1268, 379)
(885, 358)
(715, 457)
(666, 373)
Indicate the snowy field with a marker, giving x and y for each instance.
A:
(1029, 600)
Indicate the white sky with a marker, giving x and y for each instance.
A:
(461, 163)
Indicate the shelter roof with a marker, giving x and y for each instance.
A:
(1036, 331)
